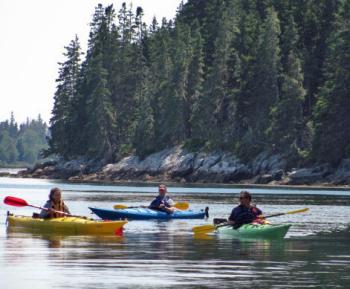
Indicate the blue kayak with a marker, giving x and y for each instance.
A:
(146, 214)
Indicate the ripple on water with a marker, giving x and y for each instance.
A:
(316, 252)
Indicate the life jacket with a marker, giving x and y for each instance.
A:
(58, 207)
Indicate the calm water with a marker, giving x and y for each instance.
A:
(315, 253)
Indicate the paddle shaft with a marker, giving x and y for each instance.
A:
(265, 217)
(13, 201)
(209, 228)
(46, 209)
(281, 214)
(178, 205)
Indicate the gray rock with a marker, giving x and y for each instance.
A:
(309, 175)
(184, 166)
(267, 163)
(277, 175)
(123, 165)
(158, 162)
(71, 168)
(263, 179)
(201, 167)
(341, 176)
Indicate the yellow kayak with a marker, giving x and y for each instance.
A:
(67, 225)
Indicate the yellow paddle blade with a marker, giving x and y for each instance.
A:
(182, 205)
(203, 229)
(201, 236)
(298, 211)
(119, 206)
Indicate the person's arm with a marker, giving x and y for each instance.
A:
(66, 210)
(256, 211)
(154, 204)
(45, 213)
(233, 216)
(169, 202)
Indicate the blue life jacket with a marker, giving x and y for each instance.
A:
(166, 201)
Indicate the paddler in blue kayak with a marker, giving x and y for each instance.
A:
(162, 202)
(245, 212)
(56, 203)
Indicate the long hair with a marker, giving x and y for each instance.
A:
(52, 192)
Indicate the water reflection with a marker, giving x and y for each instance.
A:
(153, 254)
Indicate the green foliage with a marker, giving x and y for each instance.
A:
(332, 120)
(22, 145)
(60, 122)
(237, 75)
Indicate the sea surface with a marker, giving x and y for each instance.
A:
(165, 254)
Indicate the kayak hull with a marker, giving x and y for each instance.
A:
(145, 214)
(66, 225)
(256, 231)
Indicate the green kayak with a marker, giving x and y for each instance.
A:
(256, 231)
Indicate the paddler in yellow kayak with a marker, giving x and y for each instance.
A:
(55, 202)
(162, 202)
(245, 212)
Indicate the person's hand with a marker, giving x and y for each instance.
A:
(50, 212)
(161, 206)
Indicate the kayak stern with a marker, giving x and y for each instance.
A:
(66, 225)
(256, 231)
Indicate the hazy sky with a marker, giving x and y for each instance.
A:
(33, 35)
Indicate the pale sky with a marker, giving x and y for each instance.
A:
(33, 35)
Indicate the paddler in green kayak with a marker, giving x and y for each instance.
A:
(162, 202)
(245, 212)
(55, 202)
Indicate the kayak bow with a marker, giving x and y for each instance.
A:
(146, 214)
(66, 225)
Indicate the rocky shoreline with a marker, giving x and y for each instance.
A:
(180, 166)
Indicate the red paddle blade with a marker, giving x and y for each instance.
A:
(13, 201)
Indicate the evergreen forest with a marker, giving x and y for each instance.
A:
(21, 145)
(242, 76)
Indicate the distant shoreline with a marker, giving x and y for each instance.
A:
(176, 166)
(325, 187)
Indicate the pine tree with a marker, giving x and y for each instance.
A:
(100, 127)
(161, 67)
(173, 104)
(124, 80)
(266, 75)
(287, 115)
(13, 127)
(66, 90)
(216, 102)
(331, 115)
(315, 20)
(249, 25)
(143, 140)
(195, 83)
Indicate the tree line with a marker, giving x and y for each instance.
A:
(22, 144)
(243, 76)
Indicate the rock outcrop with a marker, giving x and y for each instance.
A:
(179, 165)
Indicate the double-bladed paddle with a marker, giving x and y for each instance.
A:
(204, 229)
(17, 202)
(179, 205)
